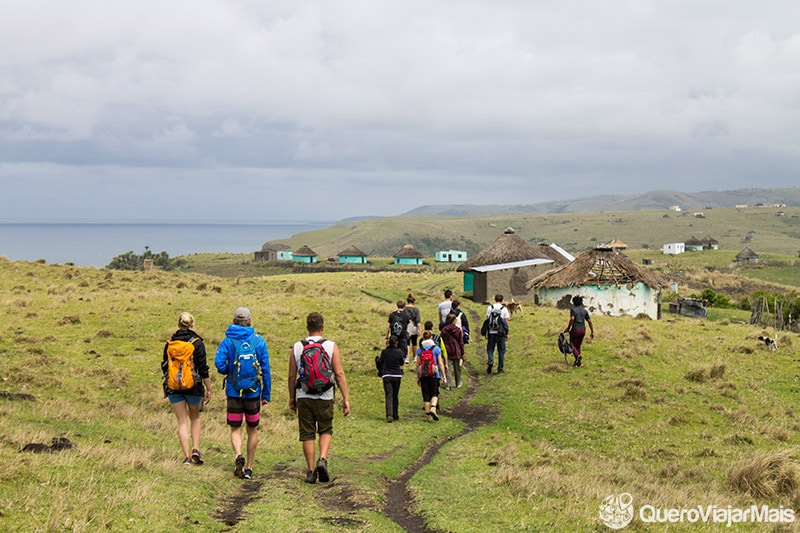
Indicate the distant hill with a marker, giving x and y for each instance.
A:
(658, 199)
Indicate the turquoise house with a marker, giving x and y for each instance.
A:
(408, 255)
(352, 255)
(304, 255)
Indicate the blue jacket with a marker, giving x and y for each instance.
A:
(227, 351)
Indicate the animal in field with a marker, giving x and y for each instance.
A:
(514, 307)
(770, 343)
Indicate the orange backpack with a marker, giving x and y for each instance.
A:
(181, 374)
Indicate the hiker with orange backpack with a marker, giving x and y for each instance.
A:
(430, 370)
(242, 356)
(187, 385)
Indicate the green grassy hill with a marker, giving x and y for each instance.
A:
(758, 228)
(678, 413)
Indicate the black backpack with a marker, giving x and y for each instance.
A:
(496, 322)
(398, 324)
(564, 344)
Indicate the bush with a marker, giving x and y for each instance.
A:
(132, 261)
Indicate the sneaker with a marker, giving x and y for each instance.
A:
(311, 476)
(578, 361)
(196, 457)
(459, 385)
(427, 417)
(434, 412)
(322, 470)
(447, 387)
(488, 369)
(188, 461)
(239, 470)
(406, 361)
(389, 419)
(248, 474)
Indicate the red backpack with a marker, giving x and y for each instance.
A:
(426, 363)
(316, 370)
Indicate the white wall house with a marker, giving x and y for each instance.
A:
(451, 256)
(674, 248)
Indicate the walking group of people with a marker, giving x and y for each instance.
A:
(315, 367)
(446, 349)
(315, 371)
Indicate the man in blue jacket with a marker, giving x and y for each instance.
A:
(242, 356)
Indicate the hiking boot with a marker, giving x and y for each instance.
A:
(188, 461)
(578, 361)
(434, 412)
(389, 419)
(196, 457)
(248, 473)
(427, 417)
(311, 476)
(489, 368)
(322, 470)
(238, 471)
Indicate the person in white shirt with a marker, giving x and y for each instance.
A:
(444, 308)
(497, 317)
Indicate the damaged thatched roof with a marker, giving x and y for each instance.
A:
(352, 251)
(747, 253)
(597, 267)
(304, 251)
(509, 248)
(408, 251)
(273, 247)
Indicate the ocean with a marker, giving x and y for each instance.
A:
(93, 244)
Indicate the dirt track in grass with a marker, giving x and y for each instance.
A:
(343, 500)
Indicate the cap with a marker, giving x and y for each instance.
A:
(241, 313)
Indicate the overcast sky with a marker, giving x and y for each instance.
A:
(246, 109)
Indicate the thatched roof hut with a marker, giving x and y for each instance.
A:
(747, 256)
(304, 254)
(600, 266)
(506, 264)
(607, 280)
(408, 255)
(352, 254)
(352, 251)
(507, 248)
(616, 244)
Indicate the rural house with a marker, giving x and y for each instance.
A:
(610, 284)
(673, 248)
(352, 255)
(450, 256)
(269, 252)
(304, 255)
(408, 255)
(746, 256)
(506, 264)
(709, 243)
(693, 244)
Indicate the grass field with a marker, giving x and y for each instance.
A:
(678, 412)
